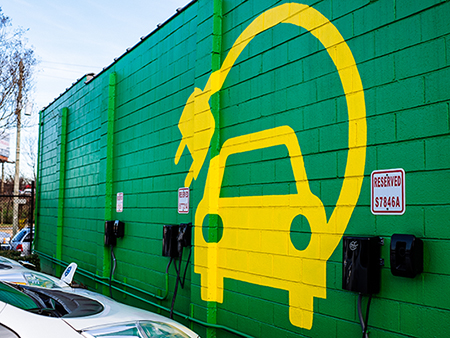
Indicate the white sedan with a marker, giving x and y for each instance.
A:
(28, 311)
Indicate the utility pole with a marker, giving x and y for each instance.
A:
(17, 171)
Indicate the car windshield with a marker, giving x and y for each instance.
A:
(48, 302)
(39, 279)
(141, 329)
(14, 297)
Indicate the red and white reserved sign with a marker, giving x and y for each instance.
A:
(119, 202)
(388, 192)
(183, 200)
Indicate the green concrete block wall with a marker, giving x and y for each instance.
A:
(284, 76)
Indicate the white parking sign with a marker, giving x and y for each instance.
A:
(388, 192)
(183, 200)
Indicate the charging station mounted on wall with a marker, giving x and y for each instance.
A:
(113, 230)
(176, 237)
(406, 255)
(361, 264)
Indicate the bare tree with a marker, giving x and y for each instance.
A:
(17, 63)
(30, 153)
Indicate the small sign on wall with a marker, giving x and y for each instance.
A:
(388, 192)
(119, 202)
(183, 200)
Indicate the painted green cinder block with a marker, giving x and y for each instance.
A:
(318, 65)
(434, 219)
(401, 95)
(407, 34)
(378, 71)
(321, 166)
(420, 59)
(365, 20)
(436, 184)
(434, 21)
(437, 248)
(348, 329)
(333, 137)
(275, 57)
(437, 291)
(303, 46)
(435, 87)
(412, 320)
(301, 95)
(396, 155)
(289, 75)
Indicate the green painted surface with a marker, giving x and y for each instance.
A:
(283, 77)
(62, 185)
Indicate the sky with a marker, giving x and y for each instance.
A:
(76, 37)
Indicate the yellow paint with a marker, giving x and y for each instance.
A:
(256, 245)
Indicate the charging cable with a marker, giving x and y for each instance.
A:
(179, 280)
(113, 269)
(364, 324)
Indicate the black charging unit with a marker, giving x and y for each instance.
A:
(406, 255)
(113, 230)
(361, 264)
(170, 241)
(361, 270)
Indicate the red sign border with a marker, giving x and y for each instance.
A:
(386, 171)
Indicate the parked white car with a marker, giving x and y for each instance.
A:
(18, 273)
(20, 242)
(54, 309)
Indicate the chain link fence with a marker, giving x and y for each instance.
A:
(16, 213)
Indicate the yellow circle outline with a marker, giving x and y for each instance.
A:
(320, 27)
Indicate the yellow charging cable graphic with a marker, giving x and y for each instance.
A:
(256, 245)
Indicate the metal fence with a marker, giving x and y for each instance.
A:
(16, 212)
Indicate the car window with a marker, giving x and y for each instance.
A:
(138, 329)
(16, 298)
(48, 302)
(19, 236)
(37, 279)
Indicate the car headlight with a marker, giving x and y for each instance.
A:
(141, 329)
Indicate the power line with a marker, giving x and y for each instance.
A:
(63, 70)
(71, 64)
(58, 77)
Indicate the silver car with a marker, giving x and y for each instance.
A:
(58, 310)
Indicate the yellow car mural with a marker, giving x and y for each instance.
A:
(256, 246)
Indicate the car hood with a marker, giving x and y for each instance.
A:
(115, 312)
